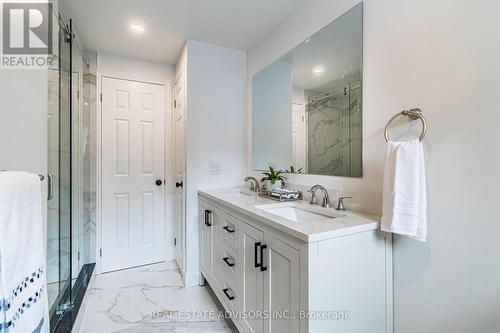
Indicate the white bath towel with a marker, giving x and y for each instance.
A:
(404, 208)
(23, 294)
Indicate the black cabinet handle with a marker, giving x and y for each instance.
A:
(178, 184)
(262, 267)
(227, 229)
(207, 218)
(256, 248)
(225, 290)
(158, 182)
(226, 260)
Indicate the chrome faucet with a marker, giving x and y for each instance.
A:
(254, 185)
(340, 205)
(325, 202)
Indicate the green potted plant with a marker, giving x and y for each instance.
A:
(273, 179)
(293, 170)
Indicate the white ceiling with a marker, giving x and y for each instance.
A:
(103, 25)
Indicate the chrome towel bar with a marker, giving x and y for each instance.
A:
(413, 114)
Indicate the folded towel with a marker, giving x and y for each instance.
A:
(23, 297)
(404, 209)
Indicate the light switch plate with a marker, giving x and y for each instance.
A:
(215, 168)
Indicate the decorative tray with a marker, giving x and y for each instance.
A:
(281, 195)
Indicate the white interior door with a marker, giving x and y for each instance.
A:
(299, 136)
(179, 167)
(132, 164)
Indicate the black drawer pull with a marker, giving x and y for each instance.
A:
(262, 267)
(256, 249)
(227, 295)
(226, 260)
(207, 218)
(227, 229)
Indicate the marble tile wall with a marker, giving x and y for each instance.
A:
(334, 134)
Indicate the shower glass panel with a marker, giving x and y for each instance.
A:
(89, 145)
(334, 131)
(59, 174)
(71, 173)
(78, 148)
(83, 169)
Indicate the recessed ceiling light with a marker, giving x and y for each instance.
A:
(136, 27)
(318, 70)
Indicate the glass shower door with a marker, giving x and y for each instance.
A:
(59, 174)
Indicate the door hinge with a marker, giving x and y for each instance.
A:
(100, 253)
(175, 103)
(100, 97)
(78, 255)
(78, 94)
(175, 241)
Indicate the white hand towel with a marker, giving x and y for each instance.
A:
(23, 293)
(404, 208)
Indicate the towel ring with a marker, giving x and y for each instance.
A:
(413, 114)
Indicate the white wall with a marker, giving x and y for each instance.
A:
(272, 98)
(23, 120)
(134, 69)
(441, 56)
(215, 127)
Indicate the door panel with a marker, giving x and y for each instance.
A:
(252, 278)
(281, 285)
(132, 161)
(206, 238)
(299, 136)
(179, 167)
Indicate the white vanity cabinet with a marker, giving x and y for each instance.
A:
(210, 218)
(275, 282)
(270, 280)
(252, 279)
(281, 285)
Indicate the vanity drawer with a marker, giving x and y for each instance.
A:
(229, 263)
(230, 295)
(230, 229)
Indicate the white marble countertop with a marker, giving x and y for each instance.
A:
(349, 223)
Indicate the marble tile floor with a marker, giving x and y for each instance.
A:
(150, 299)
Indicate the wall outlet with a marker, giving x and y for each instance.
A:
(215, 168)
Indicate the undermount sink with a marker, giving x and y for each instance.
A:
(299, 212)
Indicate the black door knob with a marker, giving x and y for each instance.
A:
(178, 184)
(158, 182)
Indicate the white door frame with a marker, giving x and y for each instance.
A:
(169, 186)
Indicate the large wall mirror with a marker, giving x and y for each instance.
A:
(306, 106)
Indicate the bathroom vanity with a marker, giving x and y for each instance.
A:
(292, 267)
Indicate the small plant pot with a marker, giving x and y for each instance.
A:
(270, 186)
